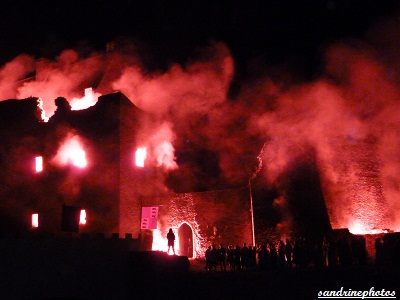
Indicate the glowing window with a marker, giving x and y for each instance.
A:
(82, 217)
(39, 163)
(78, 158)
(72, 152)
(140, 156)
(35, 220)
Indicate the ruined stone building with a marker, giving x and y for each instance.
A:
(83, 162)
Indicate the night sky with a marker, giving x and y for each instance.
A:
(271, 32)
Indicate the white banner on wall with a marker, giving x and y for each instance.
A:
(149, 217)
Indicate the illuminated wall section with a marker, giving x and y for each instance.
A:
(353, 193)
(133, 180)
(213, 217)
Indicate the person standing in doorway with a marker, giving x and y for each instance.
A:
(171, 240)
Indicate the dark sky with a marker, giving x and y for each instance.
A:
(276, 30)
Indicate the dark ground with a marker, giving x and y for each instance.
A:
(271, 284)
(105, 274)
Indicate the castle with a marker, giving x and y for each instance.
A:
(77, 174)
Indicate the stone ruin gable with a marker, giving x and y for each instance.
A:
(221, 216)
(356, 186)
(182, 209)
(20, 117)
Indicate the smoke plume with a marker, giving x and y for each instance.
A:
(348, 116)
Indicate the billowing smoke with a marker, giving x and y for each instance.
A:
(12, 73)
(71, 152)
(195, 89)
(163, 148)
(348, 117)
(67, 76)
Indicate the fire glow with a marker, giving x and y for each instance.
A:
(357, 228)
(71, 152)
(89, 99)
(195, 246)
(140, 156)
(39, 164)
(82, 217)
(353, 100)
(35, 220)
(160, 242)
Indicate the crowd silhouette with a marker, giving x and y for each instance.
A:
(296, 253)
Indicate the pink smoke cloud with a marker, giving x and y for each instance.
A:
(348, 116)
(195, 88)
(349, 119)
(67, 77)
(12, 73)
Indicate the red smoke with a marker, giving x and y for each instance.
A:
(348, 116)
(67, 76)
(12, 73)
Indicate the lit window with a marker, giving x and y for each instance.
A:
(35, 220)
(82, 217)
(140, 156)
(39, 163)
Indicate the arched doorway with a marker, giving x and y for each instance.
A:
(185, 234)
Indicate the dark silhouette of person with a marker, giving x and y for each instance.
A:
(281, 254)
(252, 257)
(222, 257)
(237, 258)
(171, 240)
(305, 257)
(262, 257)
(344, 252)
(273, 255)
(332, 253)
(288, 253)
(244, 257)
(208, 258)
(297, 253)
(231, 257)
(213, 257)
(358, 250)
